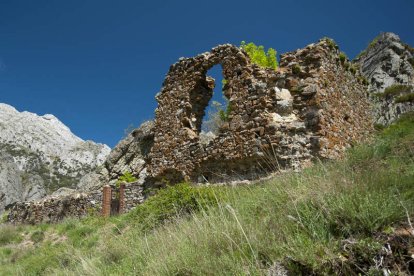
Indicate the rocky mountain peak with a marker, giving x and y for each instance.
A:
(388, 65)
(387, 61)
(39, 154)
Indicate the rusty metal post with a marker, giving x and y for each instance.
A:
(106, 201)
(122, 198)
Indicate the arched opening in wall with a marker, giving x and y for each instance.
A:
(216, 112)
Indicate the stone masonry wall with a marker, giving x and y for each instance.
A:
(312, 107)
(76, 205)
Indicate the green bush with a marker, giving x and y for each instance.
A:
(126, 177)
(258, 55)
(342, 57)
(331, 43)
(173, 201)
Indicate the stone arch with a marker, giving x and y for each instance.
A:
(233, 62)
(182, 103)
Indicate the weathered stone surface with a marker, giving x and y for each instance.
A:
(90, 182)
(326, 112)
(129, 155)
(386, 62)
(11, 187)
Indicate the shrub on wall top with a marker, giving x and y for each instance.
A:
(258, 55)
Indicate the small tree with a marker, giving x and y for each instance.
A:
(258, 55)
(126, 177)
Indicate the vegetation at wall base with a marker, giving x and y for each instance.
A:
(346, 217)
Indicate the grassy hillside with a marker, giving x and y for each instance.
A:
(346, 217)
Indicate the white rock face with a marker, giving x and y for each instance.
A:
(388, 61)
(39, 154)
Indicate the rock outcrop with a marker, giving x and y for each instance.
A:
(388, 62)
(130, 155)
(39, 154)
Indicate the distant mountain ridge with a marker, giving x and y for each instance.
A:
(39, 154)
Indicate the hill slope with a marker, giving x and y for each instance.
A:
(347, 217)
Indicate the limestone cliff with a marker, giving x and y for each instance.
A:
(386, 62)
(129, 155)
(39, 154)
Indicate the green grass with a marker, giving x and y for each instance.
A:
(395, 89)
(333, 218)
(8, 234)
(405, 98)
(342, 57)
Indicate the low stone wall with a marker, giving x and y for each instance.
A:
(134, 195)
(78, 205)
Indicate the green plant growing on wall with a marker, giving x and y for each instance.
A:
(126, 177)
(296, 69)
(259, 56)
(331, 43)
(223, 83)
(224, 114)
(342, 57)
(217, 116)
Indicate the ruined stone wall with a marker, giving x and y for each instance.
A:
(75, 205)
(312, 107)
(328, 97)
(134, 195)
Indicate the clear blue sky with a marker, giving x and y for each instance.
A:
(97, 64)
